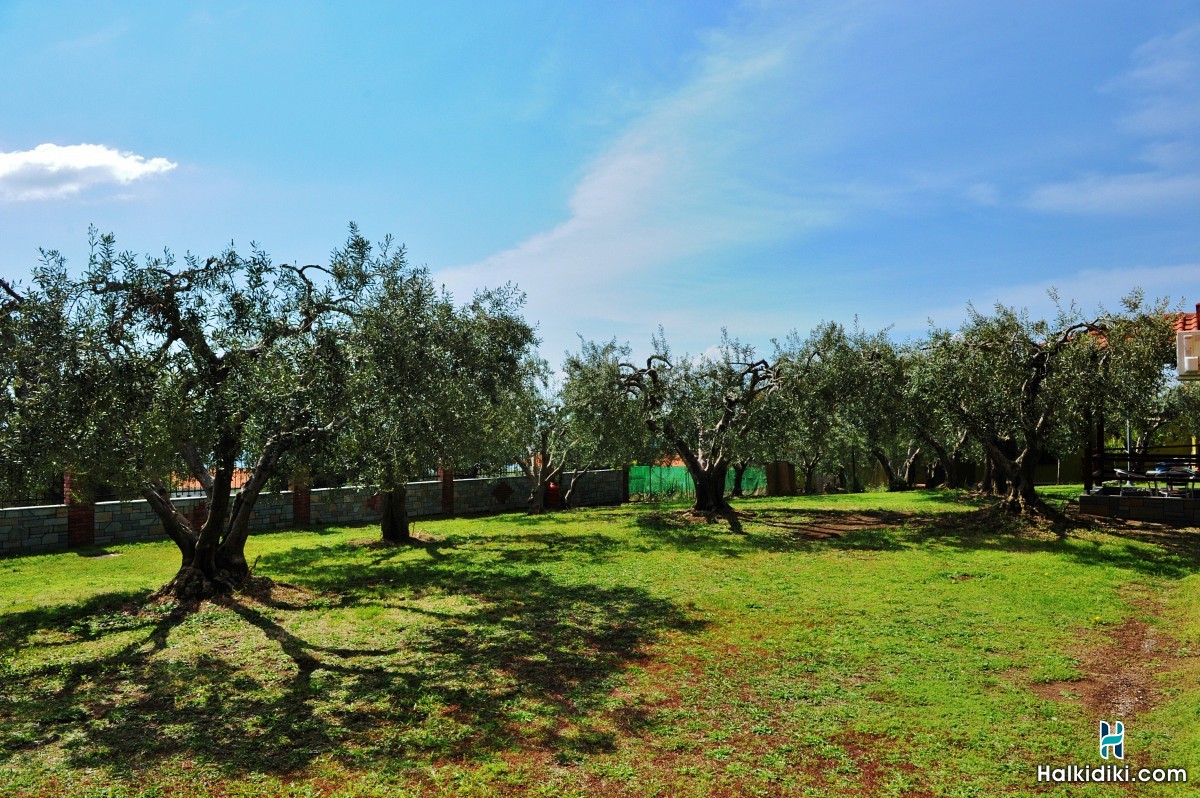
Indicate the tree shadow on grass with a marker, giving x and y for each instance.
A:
(710, 538)
(773, 530)
(84, 620)
(497, 656)
(1145, 548)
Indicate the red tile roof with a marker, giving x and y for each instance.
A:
(1187, 321)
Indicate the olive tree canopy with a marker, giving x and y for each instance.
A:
(422, 377)
(701, 407)
(1020, 386)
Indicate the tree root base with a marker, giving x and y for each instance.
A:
(191, 586)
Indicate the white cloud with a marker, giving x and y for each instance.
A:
(1163, 90)
(1133, 193)
(693, 176)
(50, 171)
(1164, 85)
(983, 193)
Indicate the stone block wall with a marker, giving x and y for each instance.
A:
(424, 498)
(499, 495)
(598, 487)
(34, 529)
(273, 511)
(332, 506)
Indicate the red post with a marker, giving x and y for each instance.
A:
(447, 477)
(198, 514)
(301, 500)
(81, 517)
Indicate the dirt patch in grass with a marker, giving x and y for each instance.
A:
(1118, 676)
(874, 765)
(818, 525)
(832, 524)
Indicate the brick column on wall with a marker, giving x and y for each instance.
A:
(447, 477)
(302, 500)
(781, 478)
(81, 517)
(198, 514)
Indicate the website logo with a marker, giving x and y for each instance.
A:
(1112, 740)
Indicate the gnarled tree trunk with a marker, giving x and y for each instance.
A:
(1020, 490)
(909, 471)
(739, 475)
(214, 556)
(809, 466)
(393, 522)
(710, 487)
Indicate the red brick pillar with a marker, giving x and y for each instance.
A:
(81, 517)
(301, 500)
(773, 488)
(447, 477)
(198, 514)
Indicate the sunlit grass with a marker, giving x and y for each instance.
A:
(874, 644)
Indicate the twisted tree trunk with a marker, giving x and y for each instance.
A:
(213, 557)
(739, 474)
(710, 488)
(393, 523)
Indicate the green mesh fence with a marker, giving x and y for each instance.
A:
(660, 482)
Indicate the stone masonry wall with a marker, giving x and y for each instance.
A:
(598, 487)
(34, 529)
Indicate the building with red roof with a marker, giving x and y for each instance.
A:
(1185, 322)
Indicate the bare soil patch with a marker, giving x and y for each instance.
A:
(1119, 677)
(279, 595)
(819, 525)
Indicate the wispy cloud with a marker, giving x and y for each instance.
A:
(51, 171)
(1164, 85)
(1149, 192)
(1163, 90)
(691, 176)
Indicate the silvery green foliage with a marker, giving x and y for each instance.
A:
(804, 421)
(423, 373)
(38, 355)
(1024, 386)
(550, 426)
(701, 407)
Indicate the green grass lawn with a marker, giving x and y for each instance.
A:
(872, 644)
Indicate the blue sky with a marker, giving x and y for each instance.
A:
(760, 166)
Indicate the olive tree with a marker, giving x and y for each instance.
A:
(606, 426)
(40, 365)
(423, 373)
(700, 407)
(1172, 412)
(574, 425)
(933, 421)
(802, 420)
(1020, 385)
(200, 367)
